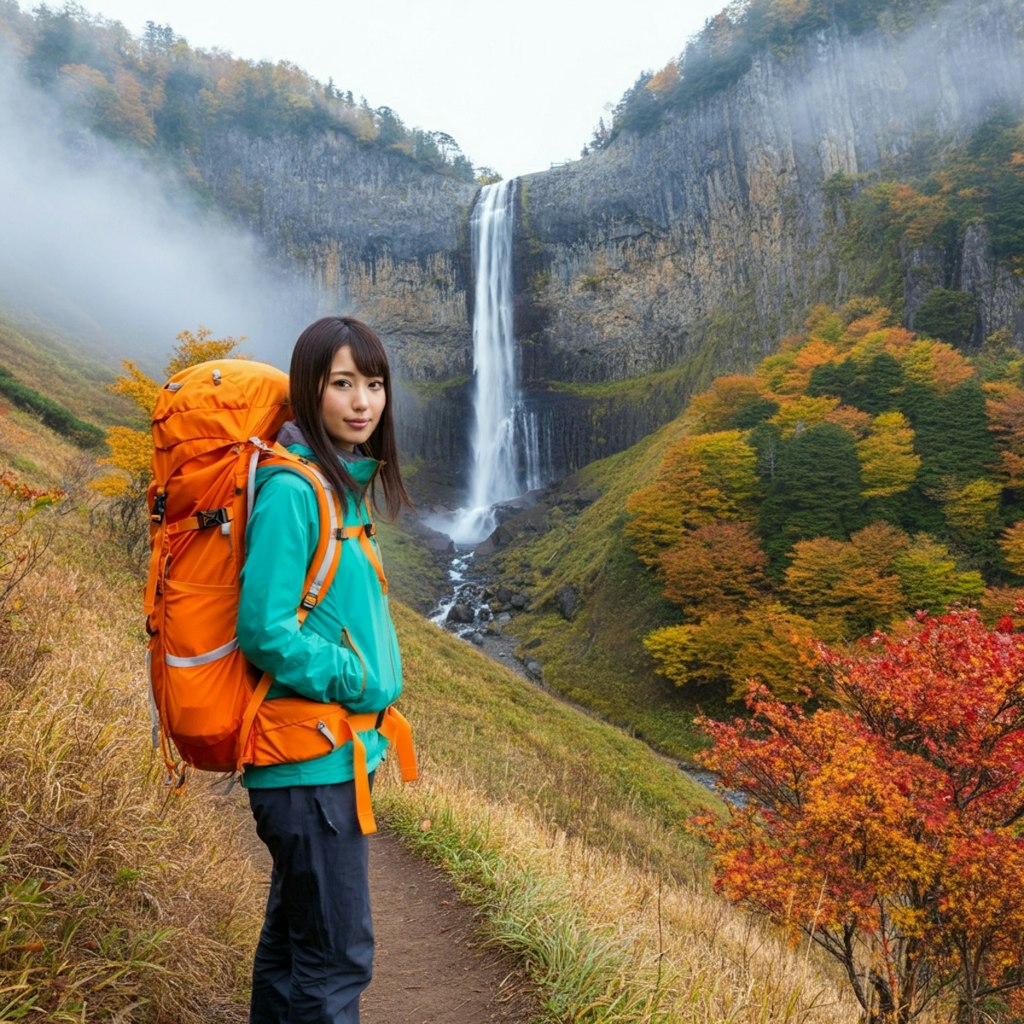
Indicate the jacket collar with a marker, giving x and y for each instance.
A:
(361, 466)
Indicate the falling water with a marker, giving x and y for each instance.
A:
(506, 460)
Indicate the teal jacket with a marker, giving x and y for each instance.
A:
(346, 651)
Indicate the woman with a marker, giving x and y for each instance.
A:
(315, 951)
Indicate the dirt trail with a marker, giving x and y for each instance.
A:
(430, 966)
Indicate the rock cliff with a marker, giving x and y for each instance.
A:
(647, 267)
(720, 224)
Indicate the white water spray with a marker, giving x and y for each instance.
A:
(504, 435)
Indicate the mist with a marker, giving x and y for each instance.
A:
(97, 244)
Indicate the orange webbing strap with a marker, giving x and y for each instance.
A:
(393, 725)
(370, 550)
(395, 728)
(251, 710)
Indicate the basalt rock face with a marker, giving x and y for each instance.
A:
(710, 238)
(359, 228)
(368, 232)
(644, 269)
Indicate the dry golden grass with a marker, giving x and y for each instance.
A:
(117, 902)
(607, 941)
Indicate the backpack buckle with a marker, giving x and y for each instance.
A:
(159, 508)
(212, 517)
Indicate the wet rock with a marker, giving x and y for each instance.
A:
(534, 669)
(461, 613)
(567, 600)
(439, 544)
(519, 601)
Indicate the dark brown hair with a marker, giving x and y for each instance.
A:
(312, 358)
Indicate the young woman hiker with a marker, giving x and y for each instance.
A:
(315, 951)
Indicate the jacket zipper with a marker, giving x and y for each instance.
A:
(347, 641)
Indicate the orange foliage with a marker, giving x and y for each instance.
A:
(886, 829)
(1005, 408)
(937, 365)
(718, 567)
(665, 79)
(715, 408)
(851, 420)
(846, 593)
(701, 479)
(810, 356)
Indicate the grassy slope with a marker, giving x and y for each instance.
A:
(51, 365)
(504, 737)
(559, 826)
(597, 659)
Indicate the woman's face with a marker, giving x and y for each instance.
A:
(352, 404)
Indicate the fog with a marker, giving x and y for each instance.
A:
(99, 245)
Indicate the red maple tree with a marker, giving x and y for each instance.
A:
(887, 826)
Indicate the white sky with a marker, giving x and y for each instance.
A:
(519, 87)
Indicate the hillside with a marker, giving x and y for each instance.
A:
(538, 813)
(859, 475)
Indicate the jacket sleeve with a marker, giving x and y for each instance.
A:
(280, 540)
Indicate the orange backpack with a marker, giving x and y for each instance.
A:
(213, 424)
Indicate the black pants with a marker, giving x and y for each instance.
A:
(315, 953)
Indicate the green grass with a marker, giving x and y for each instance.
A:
(577, 772)
(598, 659)
(48, 363)
(415, 576)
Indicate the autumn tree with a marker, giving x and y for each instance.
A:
(1005, 407)
(717, 567)
(843, 590)
(888, 462)
(703, 478)
(1012, 544)
(732, 402)
(886, 828)
(766, 642)
(930, 578)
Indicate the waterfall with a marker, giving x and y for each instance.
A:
(505, 449)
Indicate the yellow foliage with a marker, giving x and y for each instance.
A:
(1012, 544)
(137, 386)
(888, 462)
(972, 509)
(198, 347)
(131, 452)
(802, 412)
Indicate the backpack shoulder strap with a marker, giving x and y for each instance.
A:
(323, 566)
